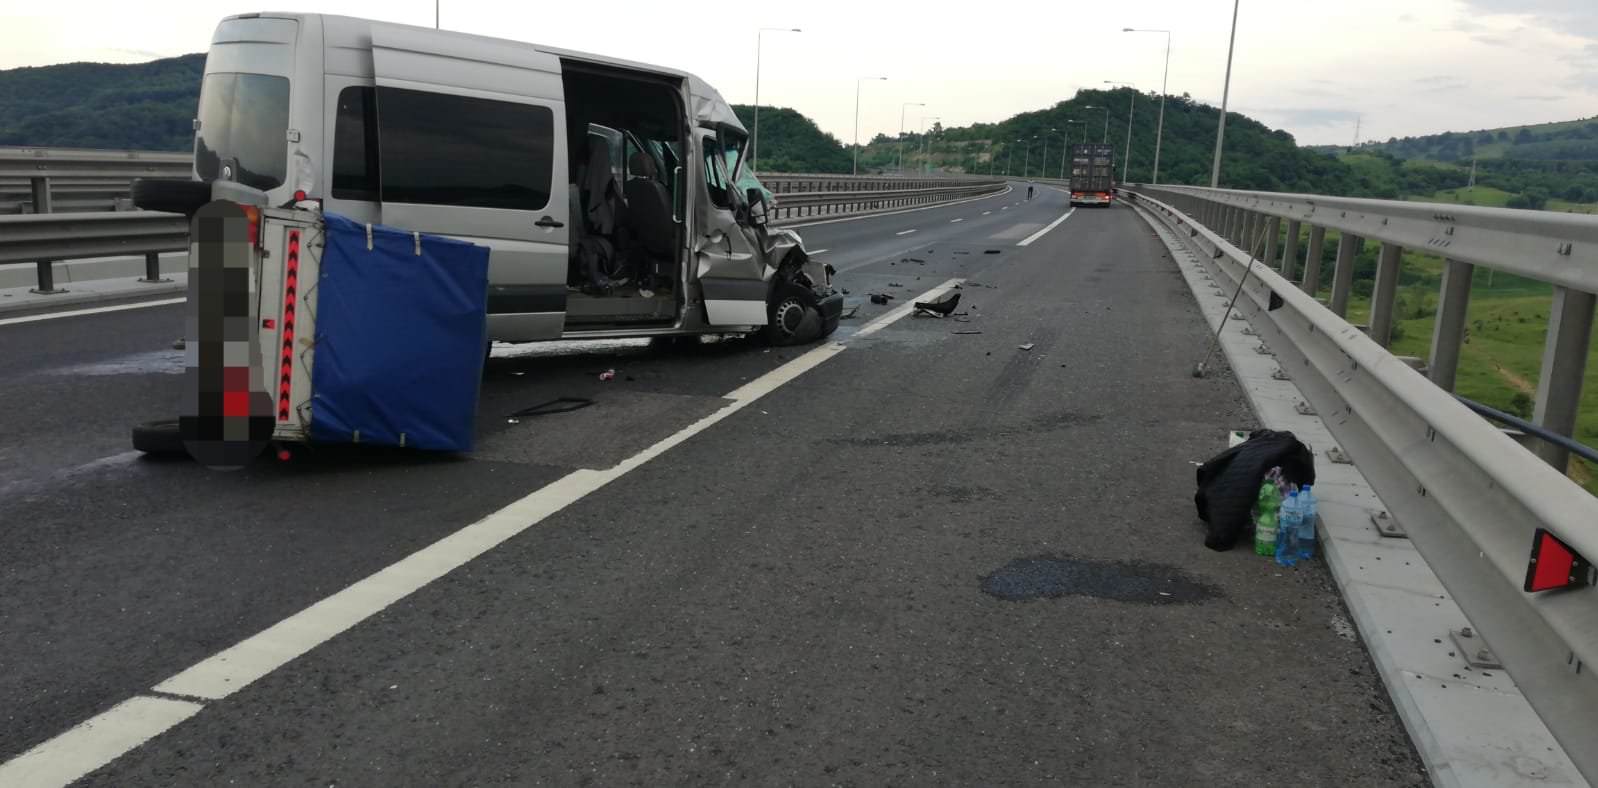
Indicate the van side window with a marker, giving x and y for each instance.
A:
(443, 149)
(715, 174)
(355, 145)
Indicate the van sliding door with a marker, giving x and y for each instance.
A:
(472, 144)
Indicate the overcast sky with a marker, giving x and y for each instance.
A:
(1405, 66)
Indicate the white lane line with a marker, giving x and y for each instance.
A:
(1007, 190)
(1005, 208)
(1039, 234)
(106, 737)
(952, 221)
(95, 742)
(815, 252)
(97, 310)
(985, 213)
(904, 232)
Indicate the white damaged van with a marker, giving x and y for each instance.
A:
(605, 189)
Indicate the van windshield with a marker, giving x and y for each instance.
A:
(244, 122)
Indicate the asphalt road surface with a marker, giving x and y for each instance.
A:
(932, 556)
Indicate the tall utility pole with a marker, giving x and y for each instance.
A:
(1065, 149)
(435, 14)
(1044, 166)
(926, 142)
(1226, 94)
(754, 139)
(857, 120)
(1026, 158)
(1357, 119)
(1159, 131)
(902, 108)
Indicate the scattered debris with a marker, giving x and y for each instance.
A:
(990, 251)
(941, 306)
(177, 344)
(965, 332)
(846, 291)
(609, 374)
(849, 311)
(962, 252)
(557, 405)
(957, 286)
(880, 298)
(518, 374)
(895, 284)
(1027, 346)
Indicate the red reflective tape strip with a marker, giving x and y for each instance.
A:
(291, 281)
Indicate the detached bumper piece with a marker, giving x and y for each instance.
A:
(400, 332)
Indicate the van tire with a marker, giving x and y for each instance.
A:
(792, 317)
(170, 195)
(159, 438)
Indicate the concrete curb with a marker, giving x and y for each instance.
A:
(1471, 728)
(20, 299)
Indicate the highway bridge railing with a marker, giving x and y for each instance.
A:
(53, 180)
(1470, 498)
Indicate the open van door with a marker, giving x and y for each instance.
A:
(730, 269)
(472, 141)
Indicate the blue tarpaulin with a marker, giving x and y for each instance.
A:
(399, 338)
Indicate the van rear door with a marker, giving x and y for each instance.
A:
(472, 144)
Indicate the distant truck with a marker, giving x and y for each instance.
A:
(1092, 174)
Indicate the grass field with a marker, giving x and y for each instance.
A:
(1506, 325)
(1488, 197)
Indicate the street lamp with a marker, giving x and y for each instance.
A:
(1026, 158)
(1126, 159)
(857, 119)
(1044, 167)
(902, 108)
(1226, 93)
(1159, 132)
(1065, 146)
(926, 142)
(754, 139)
(1106, 121)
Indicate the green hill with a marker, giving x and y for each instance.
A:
(1563, 141)
(791, 142)
(1256, 156)
(145, 106)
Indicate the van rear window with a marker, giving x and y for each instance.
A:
(355, 145)
(244, 123)
(444, 149)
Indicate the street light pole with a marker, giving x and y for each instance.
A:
(857, 120)
(902, 108)
(754, 138)
(1106, 121)
(926, 142)
(1226, 93)
(1126, 158)
(1159, 132)
(1065, 147)
(1026, 158)
(1044, 167)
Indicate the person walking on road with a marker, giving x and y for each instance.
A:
(1029, 192)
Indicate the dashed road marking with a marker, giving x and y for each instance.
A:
(904, 232)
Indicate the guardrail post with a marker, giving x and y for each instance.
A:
(1343, 277)
(1234, 217)
(41, 195)
(1564, 363)
(152, 268)
(1273, 229)
(1312, 260)
(1290, 249)
(40, 187)
(1385, 293)
(1448, 331)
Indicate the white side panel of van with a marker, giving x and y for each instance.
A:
(529, 260)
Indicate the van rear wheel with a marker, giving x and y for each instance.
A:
(158, 437)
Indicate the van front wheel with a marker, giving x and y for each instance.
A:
(792, 317)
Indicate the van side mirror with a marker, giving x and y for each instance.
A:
(757, 206)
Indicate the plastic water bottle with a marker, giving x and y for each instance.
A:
(1306, 529)
(1265, 525)
(1287, 530)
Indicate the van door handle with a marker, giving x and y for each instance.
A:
(548, 221)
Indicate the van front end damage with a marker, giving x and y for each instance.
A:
(805, 307)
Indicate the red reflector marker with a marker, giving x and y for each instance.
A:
(1554, 565)
(235, 404)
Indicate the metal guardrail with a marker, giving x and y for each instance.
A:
(45, 237)
(1469, 496)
